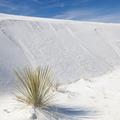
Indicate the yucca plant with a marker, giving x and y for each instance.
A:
(34, 86)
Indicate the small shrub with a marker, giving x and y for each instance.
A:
(34, 86)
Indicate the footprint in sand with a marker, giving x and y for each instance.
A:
(7, 111)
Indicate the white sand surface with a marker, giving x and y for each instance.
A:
(94, 99)
(85, 57)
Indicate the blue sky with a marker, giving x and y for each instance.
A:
(85, 10)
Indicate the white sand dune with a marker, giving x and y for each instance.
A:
(74, 50)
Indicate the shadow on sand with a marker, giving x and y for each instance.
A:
(68, 113)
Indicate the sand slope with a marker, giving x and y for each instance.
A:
(73, 49)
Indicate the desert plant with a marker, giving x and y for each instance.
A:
(34, 86)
